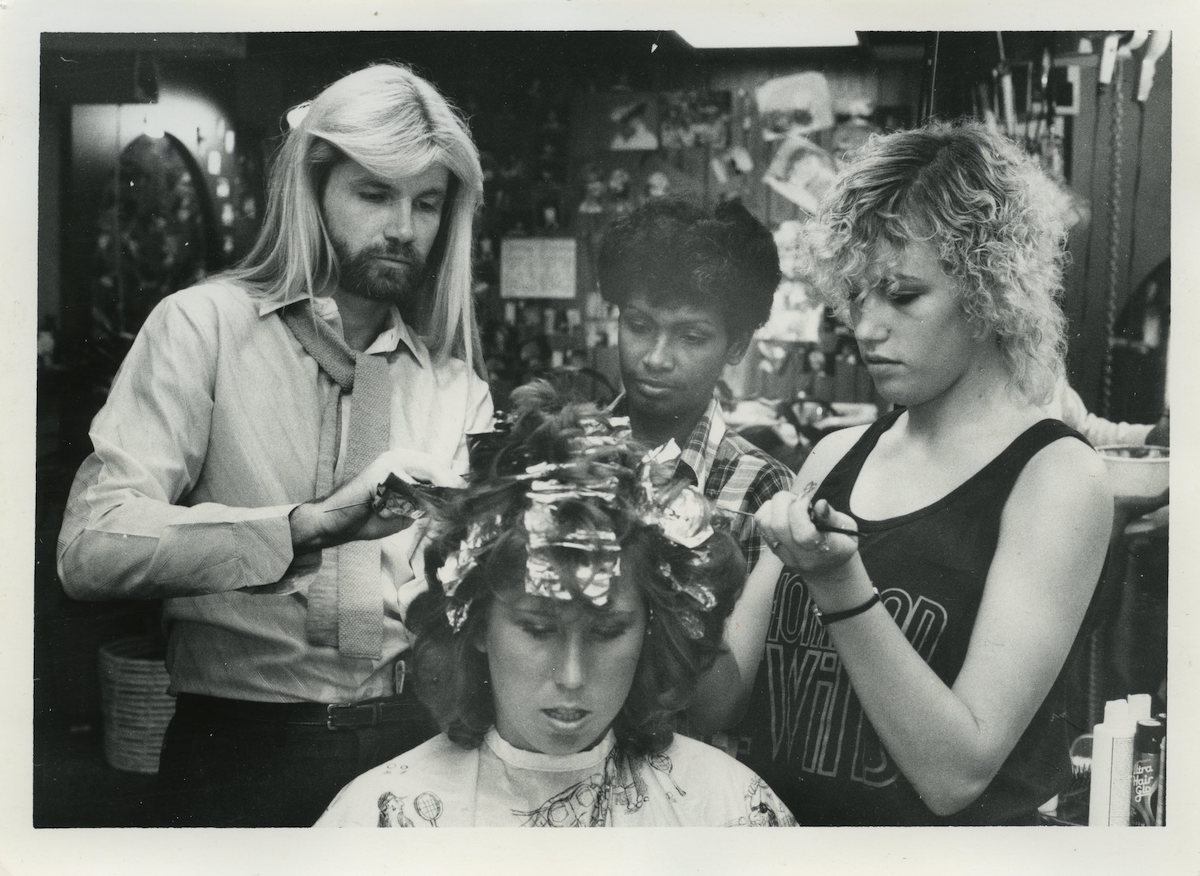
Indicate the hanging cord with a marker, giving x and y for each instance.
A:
(1029, 116)
(1087, 252)
(1004, 87)
(1046, 116)
(932, 64)
(1114, 226)
(1137, 187)
(1154, 50)
(118, 241)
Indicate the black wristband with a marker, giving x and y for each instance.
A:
(835, 616)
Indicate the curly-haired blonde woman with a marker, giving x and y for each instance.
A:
(910, 671)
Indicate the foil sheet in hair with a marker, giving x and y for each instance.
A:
(562, 563)
(456, 566)
(693, 627)
(680, 510)
(701, 594)
(684, 517)
(566, 561)
(591, 580)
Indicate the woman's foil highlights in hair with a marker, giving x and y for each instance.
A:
(683, 641)
(393, 123)
(990, 213)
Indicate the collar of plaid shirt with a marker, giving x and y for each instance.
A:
(728, 469)
(698, 453)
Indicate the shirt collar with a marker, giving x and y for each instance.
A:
(700, 449)
(395, 331)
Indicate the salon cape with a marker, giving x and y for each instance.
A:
(442, 784)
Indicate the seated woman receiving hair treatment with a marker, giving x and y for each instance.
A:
(576, 594)
(913, 671)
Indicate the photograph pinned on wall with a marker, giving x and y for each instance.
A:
(798, 104)
(632, 122)
(792, 111)
(797, 312)
(695, 118)
(801, 171)
(730, 171)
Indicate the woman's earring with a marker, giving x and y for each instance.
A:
(649, 622)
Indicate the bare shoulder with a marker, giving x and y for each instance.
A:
(1068, 463)
(1065, 480)
(828, 452)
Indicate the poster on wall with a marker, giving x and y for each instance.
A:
(695, 118)
(801, 171)
(798, 104)
(537, 267)
(631, 122)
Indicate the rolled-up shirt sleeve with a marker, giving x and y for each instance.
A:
(1069, 407)
(129, 529)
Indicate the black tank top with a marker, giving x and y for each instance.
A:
(805, 732)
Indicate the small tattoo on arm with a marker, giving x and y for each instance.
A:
(809, 489)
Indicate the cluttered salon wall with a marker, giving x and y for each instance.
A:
(1105, 133)
(1118, 283)
(769, 130)
(573, 128)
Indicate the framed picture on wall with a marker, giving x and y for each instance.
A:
(537, 267)
(631, 122)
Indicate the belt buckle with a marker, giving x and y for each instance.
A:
(340, 716)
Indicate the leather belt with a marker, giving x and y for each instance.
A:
(367, 713)
(403, 706)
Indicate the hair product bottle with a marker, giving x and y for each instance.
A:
(1112, 767)
(1147, 763)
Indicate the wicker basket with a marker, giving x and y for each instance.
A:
(137, 707)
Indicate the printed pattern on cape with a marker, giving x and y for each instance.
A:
(689, 784)
(764, 807)
(391, 809)
(587, 803)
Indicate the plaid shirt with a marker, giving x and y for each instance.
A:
(731, 472)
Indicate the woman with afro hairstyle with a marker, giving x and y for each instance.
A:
(692, 285)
